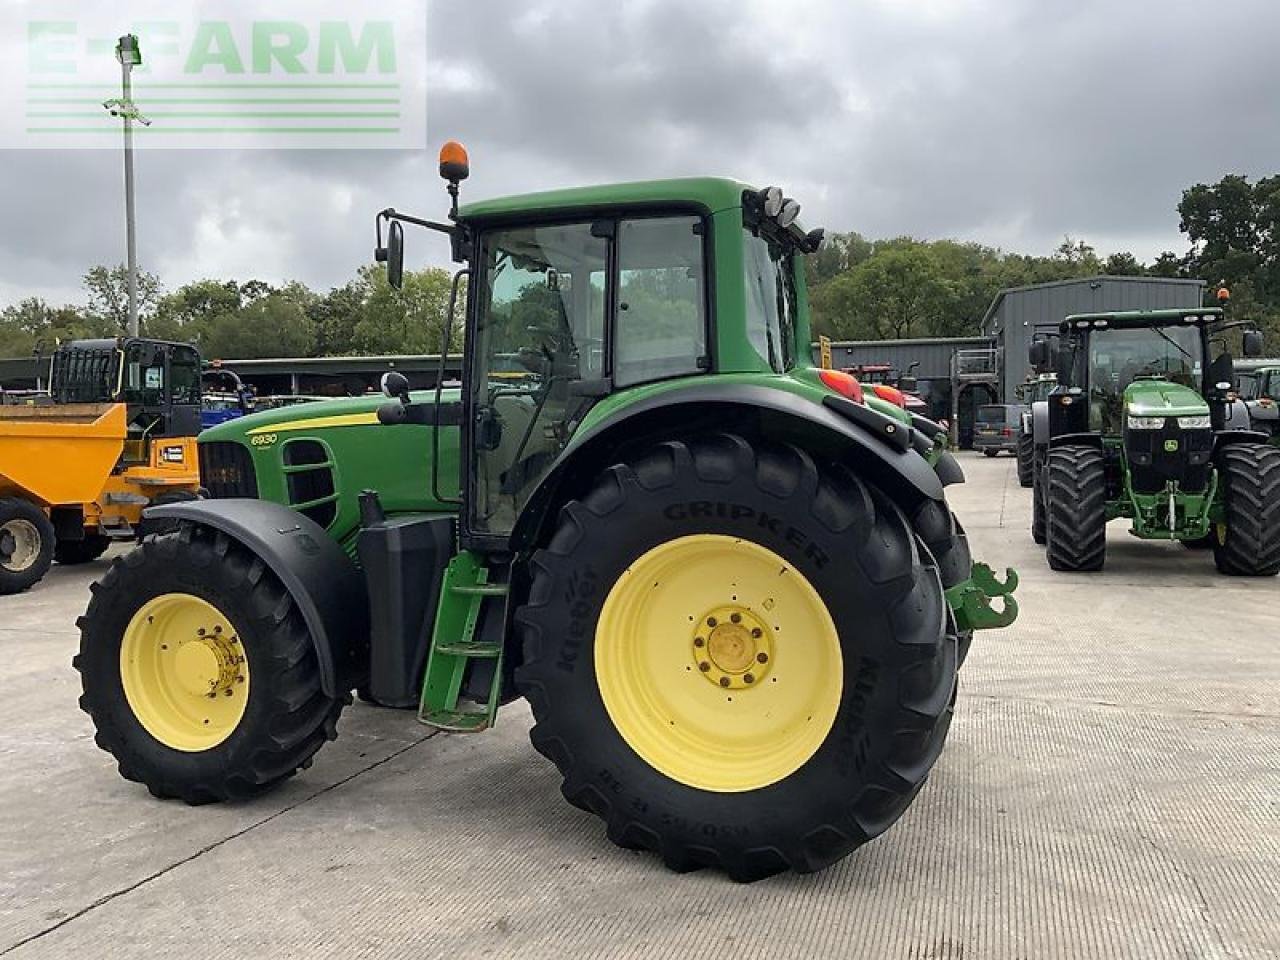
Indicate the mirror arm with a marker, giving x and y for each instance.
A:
(391, 213)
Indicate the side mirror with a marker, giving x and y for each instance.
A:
(396, 385)
(1038, 353)
(395, 255)
(1253, 343)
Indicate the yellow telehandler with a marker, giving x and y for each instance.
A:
(115, 435)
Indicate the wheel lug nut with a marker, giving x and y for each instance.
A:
(200, 632)
(704, 666)
(762, 657)
(756, 633)
(724, 681)
(748, 678)
(736, 617)
(711, 621)
(699, 642)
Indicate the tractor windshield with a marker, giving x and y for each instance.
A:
(1117, 357)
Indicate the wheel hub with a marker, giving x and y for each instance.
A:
(733, 647)
(208, 664)
(19, 545)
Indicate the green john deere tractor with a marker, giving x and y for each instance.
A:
(728, 583)
(1034, 391)
(1145, 425)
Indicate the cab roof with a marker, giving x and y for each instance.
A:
(709, 194)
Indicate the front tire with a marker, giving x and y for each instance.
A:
(26, 545)
(1076, 509)
(1250, 545)
(1038, 532)
(198, 671)
(1026, 458)
(73, 553)
(668, 740)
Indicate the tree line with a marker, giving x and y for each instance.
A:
(860, 289)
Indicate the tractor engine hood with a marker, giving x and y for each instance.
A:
(1163, 398)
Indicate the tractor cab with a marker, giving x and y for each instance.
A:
(157, 381)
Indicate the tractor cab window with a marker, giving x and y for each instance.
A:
(771, 300)
(1118, 357)
(662, 327)
(184, 377)
(144, 375)
(540, 331)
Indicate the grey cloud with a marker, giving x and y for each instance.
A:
(1009, 122)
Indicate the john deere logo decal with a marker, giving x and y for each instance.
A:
(1171, 446)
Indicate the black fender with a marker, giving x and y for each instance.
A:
(320, 577)
(1040, 423)
(930, 432)
(880, 447)
(1226, 438)
(1076, 440)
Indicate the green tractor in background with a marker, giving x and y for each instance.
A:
(1035, 391)
(728, 583)
(1145, 425)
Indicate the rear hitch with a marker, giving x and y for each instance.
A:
(971, 601)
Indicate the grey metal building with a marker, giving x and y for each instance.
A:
(1018, 314)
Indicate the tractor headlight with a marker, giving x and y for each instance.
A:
(1146, 423)
(1195, 423)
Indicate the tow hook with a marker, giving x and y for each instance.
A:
(971, 601)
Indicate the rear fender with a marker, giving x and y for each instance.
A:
(878, 447)
(322, 580)
(1077, 440)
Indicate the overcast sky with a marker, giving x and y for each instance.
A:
(1009, 122)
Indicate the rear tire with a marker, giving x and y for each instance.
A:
(1076, 509)
(1251, 479)
(26, 545)
(71, 553)
(831, 531)
(1026, 458)
(286, 715)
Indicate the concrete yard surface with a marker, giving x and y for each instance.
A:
(1110, 789)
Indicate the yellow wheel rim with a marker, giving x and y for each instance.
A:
(718, 663)
(184, 672)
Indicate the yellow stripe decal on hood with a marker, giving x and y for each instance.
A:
(319, 423)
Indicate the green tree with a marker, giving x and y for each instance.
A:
(409, 320)
(108, 293)
(273, 325)
(1123, 264)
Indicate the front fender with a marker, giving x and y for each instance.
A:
(1040, 423)
(322, 580)
(879, 447)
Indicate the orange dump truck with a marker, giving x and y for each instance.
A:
(116, 435)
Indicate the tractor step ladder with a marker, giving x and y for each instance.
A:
(463, 596)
